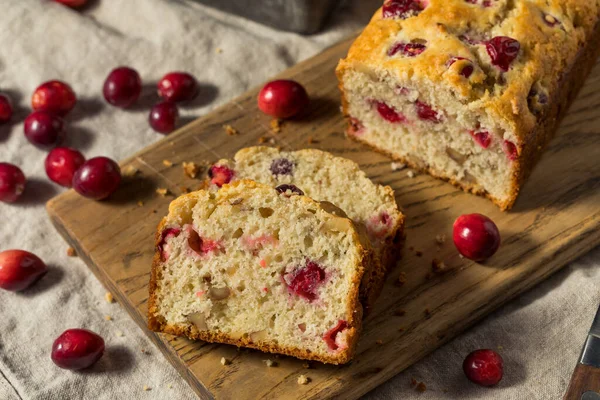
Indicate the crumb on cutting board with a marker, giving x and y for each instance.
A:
(276, 125)
(225, 361)
(438, 266)
(303, 380)
(230, 130)
(411, 174)
(167, 163)
(108, 317)
(162, 191)
(440, 238)
(396, 166)
(270, 363)
(108, 296)
(402, 278)
(71, 252)
(190, 169)
(130, 171)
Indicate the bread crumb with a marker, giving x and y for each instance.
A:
(190, 169)
(230, 130)
(500, 348)
(437, 266)
(71, 252)
(411, 174)
(413, 381)
(167, 163)
(303, 380)
(270, 363)
(402, 278)
(108, 317)
(162, 191)
(397, 166)
(129, 171)
(184, 189)
(421, 387)
(108, 296)
(399, 313)
(440, 239)
(120, 334)
(140, 203)
(263, 139)
(312, 140)
(147, 388)
(218, 50)
(379, 342)
(276, 125)
(427, 313)
(306, 365)
(272, 141)
(225, 361)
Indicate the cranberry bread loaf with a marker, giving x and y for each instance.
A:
(337, 180)
(468, 90)
(252, 266)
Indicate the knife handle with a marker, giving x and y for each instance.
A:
(585, 378)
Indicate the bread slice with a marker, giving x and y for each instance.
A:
(322, 176)
(252, 266)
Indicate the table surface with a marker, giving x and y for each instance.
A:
(540, 334)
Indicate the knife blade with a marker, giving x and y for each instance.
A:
(585, 382)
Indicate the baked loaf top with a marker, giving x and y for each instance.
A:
(503, 56)
(250, 266)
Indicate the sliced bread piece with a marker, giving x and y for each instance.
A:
(252, 266)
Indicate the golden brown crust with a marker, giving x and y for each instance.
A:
(354, 310)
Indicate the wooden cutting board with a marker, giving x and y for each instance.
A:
(556, 219)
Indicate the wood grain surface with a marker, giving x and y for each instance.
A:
(556, 219)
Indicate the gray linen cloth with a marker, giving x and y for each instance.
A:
(540, 333)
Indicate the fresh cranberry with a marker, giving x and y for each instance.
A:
(282, 98)
(502, 50)
(475, 236)
(77, 349)
(379, 225)
(162, 244)
(19, 269)
(61, 164)
(389, 113)
(12, 182)
(304, 281)
(177, 86)
(6, 109)
(467, 70)
(426, 113)
(407, 49)
(163, 117)
(44, 129)
(401, 8)
(282, 166)
(97, 178)
(122, 87)
(220, 175)
(53, 96)
(484, 367)
(510, 149)
(72, 3)
(331, 335)
(483, 138)
(289, 188)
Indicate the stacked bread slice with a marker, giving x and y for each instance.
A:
(276, 265)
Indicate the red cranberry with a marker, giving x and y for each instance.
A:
(44, 129)
(166, 234)
(6, 108)
(282, 98)
(12, 182)
(407, 49)
(503, 50)
(389, 113)
(476, 236)
(484, 367)
(282, 166)
(54, 96)
(19, 269)
(163, 117)
(97, 178)
(510, 150)
(331, 334)
(220, 175)
(467, 70)
(77, 349)
(401, 8)
(61, 164)
(483, 138)
(426, 113)
(72, 3)
(289, 188)
(304, 281)
(177, 86)
(122, 87)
